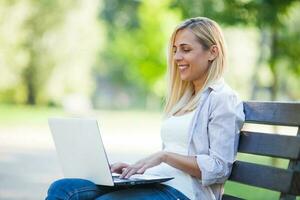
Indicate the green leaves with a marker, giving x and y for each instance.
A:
(138, 48)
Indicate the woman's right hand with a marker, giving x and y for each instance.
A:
(118, 167)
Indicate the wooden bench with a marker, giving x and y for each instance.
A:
(285, 181)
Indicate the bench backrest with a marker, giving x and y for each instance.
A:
(285, 181)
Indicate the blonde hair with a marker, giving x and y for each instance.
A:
(180, 93)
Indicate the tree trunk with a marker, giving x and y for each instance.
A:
(263, 44)
(273, 63)
(29, 80)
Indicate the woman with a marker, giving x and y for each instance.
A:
(200, 132)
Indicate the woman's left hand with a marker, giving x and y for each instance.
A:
(141, 166)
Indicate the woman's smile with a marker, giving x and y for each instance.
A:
(183, 67)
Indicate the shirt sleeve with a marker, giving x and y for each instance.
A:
(225, 121)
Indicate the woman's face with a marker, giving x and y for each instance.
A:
(190, 57)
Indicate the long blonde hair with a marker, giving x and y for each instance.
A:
(180, 96)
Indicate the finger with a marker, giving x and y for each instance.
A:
(119, 170)
(131, 168)
(114, 165)
(142, 170)
(124, 172)
(130, 173)
(117, 167)
(114, 168)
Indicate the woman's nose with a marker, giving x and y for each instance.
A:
(178, 56)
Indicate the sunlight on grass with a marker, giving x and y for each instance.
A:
(18, 114)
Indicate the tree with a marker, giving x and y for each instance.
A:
(44, 16)
(49, 48)
(268, 16)
(135, 53)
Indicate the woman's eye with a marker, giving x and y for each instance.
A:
(181, 50)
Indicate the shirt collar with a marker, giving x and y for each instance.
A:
(217, 84)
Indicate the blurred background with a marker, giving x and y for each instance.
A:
(106, 59)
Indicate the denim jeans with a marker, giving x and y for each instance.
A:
(80, 189)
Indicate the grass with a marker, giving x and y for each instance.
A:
(11, 115)
(20, 114)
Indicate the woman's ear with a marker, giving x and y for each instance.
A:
(214, 51)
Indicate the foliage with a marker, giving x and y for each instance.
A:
(135, 53)
(271, 16)
(48, 48)
(41, 37)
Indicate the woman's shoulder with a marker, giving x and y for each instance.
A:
(221, 88)
(222, 92)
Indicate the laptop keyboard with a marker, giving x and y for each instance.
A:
(139, 179)
(117, 179)
(135, 177)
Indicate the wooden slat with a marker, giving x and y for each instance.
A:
(275, 113)
(287, 197)
(229, 197)
(293, 165)
(281, 180)
(295, 187)
(281, 146)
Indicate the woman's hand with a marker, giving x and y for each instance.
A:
(141, 166)
(118, 167)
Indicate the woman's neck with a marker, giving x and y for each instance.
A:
(199, 83)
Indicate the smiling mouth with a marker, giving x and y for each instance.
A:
(182, 67)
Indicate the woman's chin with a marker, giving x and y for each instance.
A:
(184, 77)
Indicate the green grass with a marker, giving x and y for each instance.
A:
(20, 114)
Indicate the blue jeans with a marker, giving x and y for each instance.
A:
(80, 189)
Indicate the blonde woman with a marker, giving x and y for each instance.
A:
(200, 131)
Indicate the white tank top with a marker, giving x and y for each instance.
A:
(174, 134)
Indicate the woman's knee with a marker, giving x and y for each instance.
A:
(65, 188)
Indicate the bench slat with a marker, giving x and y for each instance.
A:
(270, 145)
(274, 113)
(266, 177)
(229, 197)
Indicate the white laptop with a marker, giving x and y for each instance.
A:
(82, 155)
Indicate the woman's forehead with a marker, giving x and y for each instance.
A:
(184, 37)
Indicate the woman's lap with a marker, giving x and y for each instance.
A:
(75, 189)
(72, 189)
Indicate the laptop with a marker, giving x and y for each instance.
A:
(82, 154)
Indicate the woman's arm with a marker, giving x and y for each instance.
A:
(187, 164)
(225, 120)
